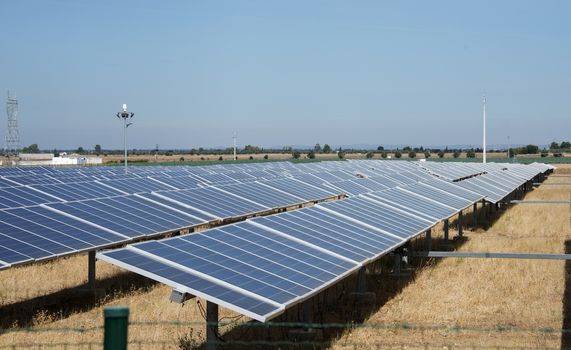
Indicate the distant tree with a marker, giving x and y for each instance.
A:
(554, 145)
(380, 148)
(97, 149)
(80, 150)
(407, 148)
(295, 154)
(311, 155)
(565, 144)
(440, 154)
(513, 152)
(531, 149)
(471, 154)
(398, 154)
(326, 148)
(384, 154)
(426, 154)
(412, 154)
(266, 156)
(317, 148)
(250, 149)
(369, 155)
(33, 148)
(456, 154)
(341, 154)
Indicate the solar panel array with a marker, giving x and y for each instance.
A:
(258, 267)
(49, 212)
(264, 265)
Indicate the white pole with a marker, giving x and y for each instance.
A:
(234, 137)
(484, 140)
(125, 141)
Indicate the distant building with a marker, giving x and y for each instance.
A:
(31, 159)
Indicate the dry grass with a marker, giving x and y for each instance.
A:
(487, 293)
(468, 293)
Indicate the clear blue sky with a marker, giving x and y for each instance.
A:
(287, 72)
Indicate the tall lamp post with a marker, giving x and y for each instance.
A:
(125, 116)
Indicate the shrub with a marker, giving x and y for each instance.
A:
(311, 155)
(470, 154)
(220, 158)
(296, 154)
(384, 154)
(251, 158)
(426, 154)
(266, 156)
(440, 154)
(341, 154)
(181, 159)
(412, 154)
(369, 155)
(456, 154)
(398, 154)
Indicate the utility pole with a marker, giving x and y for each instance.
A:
(125, 116)
(234, 137)
(484, 139)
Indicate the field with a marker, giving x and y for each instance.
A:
(447, 303)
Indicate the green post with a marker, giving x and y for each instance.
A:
(116, 324)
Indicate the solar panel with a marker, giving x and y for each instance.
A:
(348, 187)
(439, 196)
(23, 197)
(264, 195)
(334, 234)
(194, 283)
(137, 185)
(213, 202)
(302, 190)
(390, 220)
(407, 201)
(78, 191)
(250, 259)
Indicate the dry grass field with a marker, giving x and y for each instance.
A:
(448, 303)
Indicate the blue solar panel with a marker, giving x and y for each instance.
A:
(248, 258)
(214, 202)
(186, 281)
(78, 191)
(383, 217)
(264, 195)
(302, 190)
(23, 197)
(137, 185)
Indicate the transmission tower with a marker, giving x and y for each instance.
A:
(12, 134)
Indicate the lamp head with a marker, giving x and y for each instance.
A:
(124, 107)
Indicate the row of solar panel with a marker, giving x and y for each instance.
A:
(264, 265)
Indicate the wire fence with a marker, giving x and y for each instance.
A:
(238, 334)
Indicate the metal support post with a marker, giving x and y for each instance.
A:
(211, 326)
(362, 280)
(460, 224)
(475, 215)
(428, 240)
(398, 260)
(446, 228)
(91, 269)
